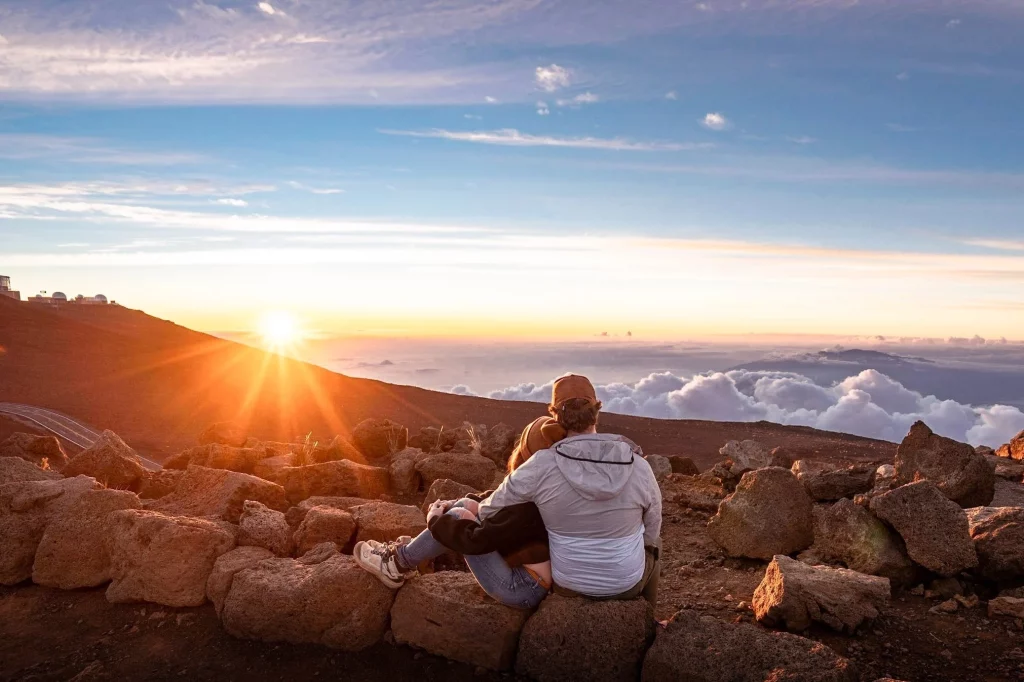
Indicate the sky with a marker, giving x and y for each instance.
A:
(521, 168)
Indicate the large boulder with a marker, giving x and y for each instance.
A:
(163, 559)
(1014, 449)
(1009, 469)
(379, 438)
(223, 433)
(40, 450)
(660, 466)
(955, 468)
(260, 526)
(218, 493)
(73, 550)
(384, 521)
(446, 489)
(26, 508)
(497, 446)
(217, 456)
(1008, 494)
(746, 455)
(340, 478)
(405, 480)
(770, 513)
(998, 535)
(324, 524)
(16, 469)
(226, 566)
(268, 467)
(692, 491)
(826, 483)
(793, 595)
(322, 598)
(683, 465)
(160, 483)
(699, 648)
(334, 451)
(473, 470)
(110, 461)
(935, 530)
(447, 614)
(849, 534)
(297, 514)
(572, 639)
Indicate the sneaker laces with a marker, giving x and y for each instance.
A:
(388, 553)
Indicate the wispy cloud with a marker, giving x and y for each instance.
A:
(552, 78)
(802, 139)
(997, 244)
(315, 190)
(228, 201)
(542, 108)
(510, 137)
(23, 146)
(715, 121)
(671, 94)
(578, 100)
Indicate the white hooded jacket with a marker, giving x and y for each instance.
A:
(601, 505)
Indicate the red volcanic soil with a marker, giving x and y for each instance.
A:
(158, 384)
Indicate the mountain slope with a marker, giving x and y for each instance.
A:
(158, 384)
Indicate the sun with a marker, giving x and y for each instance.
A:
(279, 330)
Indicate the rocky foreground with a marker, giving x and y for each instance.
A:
(772, 569)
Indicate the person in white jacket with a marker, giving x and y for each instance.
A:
(599, 500)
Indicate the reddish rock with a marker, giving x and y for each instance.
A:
(826, 483)
(39, 450)
(297, 514)
(472, 470)
(16, 469)
(693, 492)
(223, 433)
(572, 639)
(341, 478)
(960, 473)
(379, 438)
(998, 535)
(769, 514)
(447, 614)
(793, 595)
(935, 530)
(498, 445)
(1014, 449)
(157, 484)
(218, 456)
(324, 524)
(683, 465)
(384, 521)
(1007, 607)
(446, 489)
(699, 648)
(849, 534)
(226, 566)
(260, 526)
(110, 461)
(746, 455)
(218, 493)
(336, 450)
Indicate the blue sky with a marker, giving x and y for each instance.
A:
(401, 167)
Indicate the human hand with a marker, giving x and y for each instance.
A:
(436, 509)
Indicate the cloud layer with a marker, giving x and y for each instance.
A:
(869, 404)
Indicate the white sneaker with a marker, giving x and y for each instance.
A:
(379, 559)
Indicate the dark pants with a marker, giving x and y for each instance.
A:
(646, 588)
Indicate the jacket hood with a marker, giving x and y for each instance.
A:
(598, 465)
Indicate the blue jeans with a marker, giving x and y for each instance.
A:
(513, 587)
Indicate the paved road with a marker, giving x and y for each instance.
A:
(62, 426)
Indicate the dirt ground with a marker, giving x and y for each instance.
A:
(53, 635)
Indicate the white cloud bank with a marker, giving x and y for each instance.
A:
(869, 404)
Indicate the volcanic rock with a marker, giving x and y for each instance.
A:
(998, 535)
(1010, 469)
(699, 648)
(379, 438)
(446, 489)
(384, 521)
(683, 465)
(1014, 449)
(694, 492)
(1011, 607)
(341, 478)
(223, 433)
(447, 614)
(770, 513)
(746, 455)
(473, 470)
(226, 566)
(73, 550)
(260, 526)
(935, 530)
(157, 484)
(16, 469)
(793, 595)
(163, 559)
(218, 493)
(322, 598)
(850, 534)
(26, 509)
(35, 449)
(825, 483)
(297, 514)
(324, 524)
(217, 456)
(498, 445)
(110, 461)
(571, 639)
(427, 439)
(405, 480)
(955, 468)
(338, 449)
(660, 466)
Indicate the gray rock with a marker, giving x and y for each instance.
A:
(660, 466)
(849, 534)
(746, 455)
